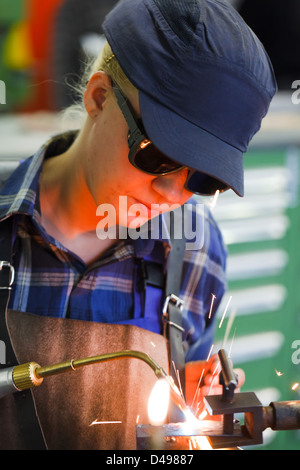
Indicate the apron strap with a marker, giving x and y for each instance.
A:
(153, 279)
(151, 288)
(172, 311)
(25, 409)
(159, 292)
(172, 317)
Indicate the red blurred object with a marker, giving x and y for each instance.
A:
(41, 17)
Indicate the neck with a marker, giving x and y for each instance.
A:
(68, 210)
(64, 196)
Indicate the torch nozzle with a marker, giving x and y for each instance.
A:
(74, 364)
(176, 396)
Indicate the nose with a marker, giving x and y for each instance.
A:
(171, 187)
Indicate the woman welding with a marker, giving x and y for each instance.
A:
(169, 108)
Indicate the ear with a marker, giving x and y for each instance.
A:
(96, 93)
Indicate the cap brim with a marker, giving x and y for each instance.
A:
(191, 145)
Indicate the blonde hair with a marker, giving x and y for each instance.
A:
(106, 62)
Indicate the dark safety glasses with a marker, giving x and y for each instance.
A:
(145, 156)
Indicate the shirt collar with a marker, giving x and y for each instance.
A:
(152, 231)
(20, 194)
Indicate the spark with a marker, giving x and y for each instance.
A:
(104, 422)
(202, 415)
(225, 311)
(151, 342)
(295, 386)
(228, 327)
(198, 387)
(179, 382)
(215, 374)
(199, 382)
(210, 351)
(178, 378)
(215, 198)
(201, 411)
(230, 349)
(211, 305)
(278, 373)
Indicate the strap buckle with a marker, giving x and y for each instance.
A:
(6, 264)
(178, 303)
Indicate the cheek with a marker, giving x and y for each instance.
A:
(186, 195)
(104, 167)
(113, 176)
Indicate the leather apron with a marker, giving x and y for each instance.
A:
(114, 393)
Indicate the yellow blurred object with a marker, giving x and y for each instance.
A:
(17, 49)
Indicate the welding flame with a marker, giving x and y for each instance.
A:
(158, 402)
(158, 405)
(196, 442)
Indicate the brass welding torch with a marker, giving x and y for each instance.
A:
(31, 374)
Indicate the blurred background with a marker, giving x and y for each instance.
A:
(43, 47)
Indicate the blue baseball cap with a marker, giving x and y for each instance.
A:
(205, 81)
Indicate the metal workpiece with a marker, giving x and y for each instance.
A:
(279, 416)
(176, 436)
(234, 433)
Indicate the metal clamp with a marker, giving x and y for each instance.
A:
(178, 303)
(6, 264)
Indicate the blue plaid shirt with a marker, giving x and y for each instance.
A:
(50, 280)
